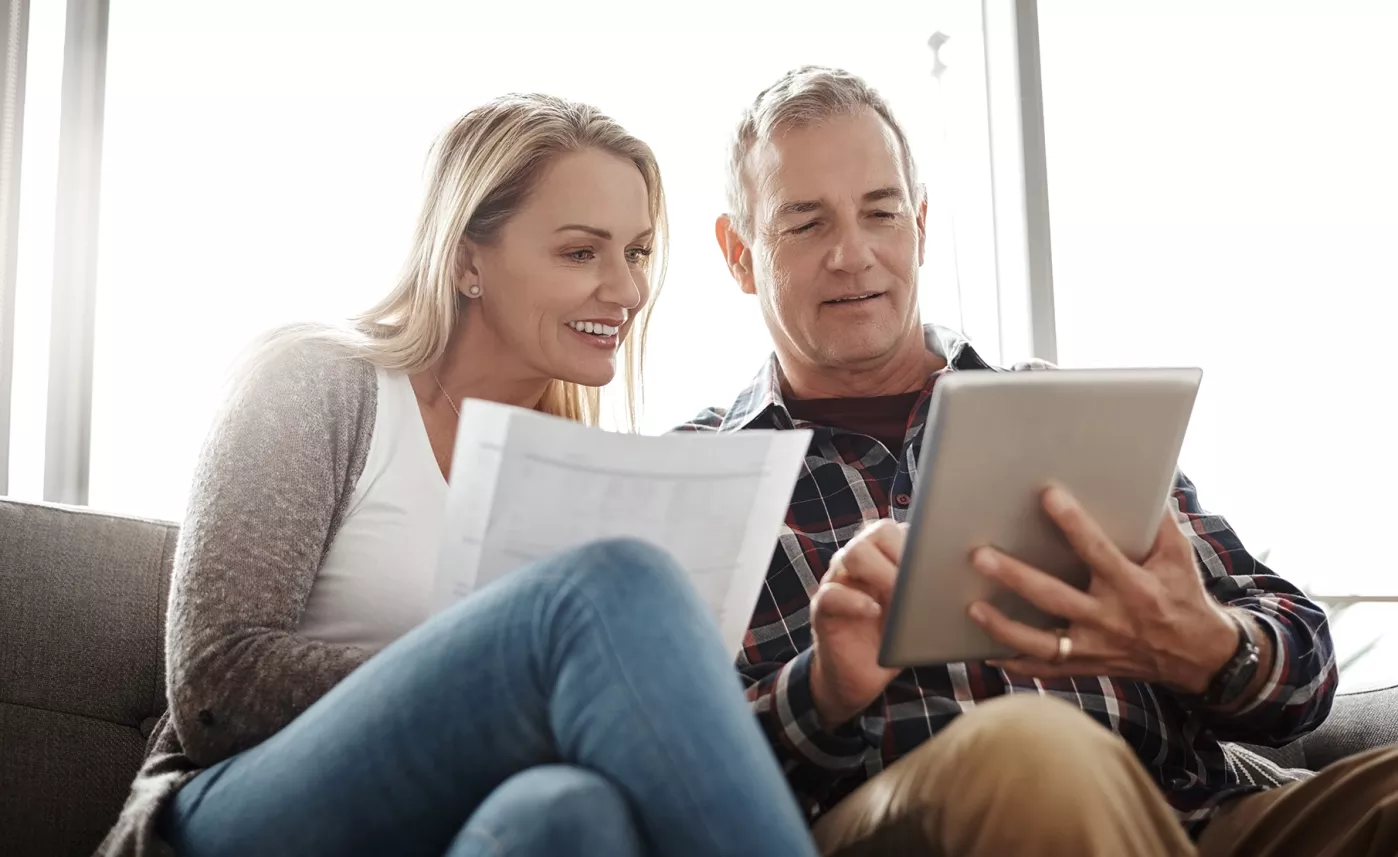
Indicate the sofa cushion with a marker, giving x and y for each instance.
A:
(63, 780)
(83, 611)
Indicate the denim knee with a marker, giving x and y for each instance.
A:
(630, 569)
(551, 810)
(627, 584)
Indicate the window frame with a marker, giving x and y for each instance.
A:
(14, 53)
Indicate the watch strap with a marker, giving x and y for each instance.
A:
(1233, 679)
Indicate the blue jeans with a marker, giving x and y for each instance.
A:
(583, 705)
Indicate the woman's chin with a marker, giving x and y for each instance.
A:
(588, 376)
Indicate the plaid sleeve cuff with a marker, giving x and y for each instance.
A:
(1273, 690)
(1294, 697)
(789, 710)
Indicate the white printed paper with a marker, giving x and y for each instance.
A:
(526, 486)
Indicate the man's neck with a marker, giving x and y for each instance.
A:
(904, 370)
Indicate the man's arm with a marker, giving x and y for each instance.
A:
(813, 710)
(813, 705)
(816, 760)
(1295, 682)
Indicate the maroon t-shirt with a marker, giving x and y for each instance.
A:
(884, 418)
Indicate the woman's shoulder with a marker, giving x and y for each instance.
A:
(324, 349)
(300, 398)
(296, 363)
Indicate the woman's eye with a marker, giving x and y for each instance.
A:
(581, 255)
(637, 255)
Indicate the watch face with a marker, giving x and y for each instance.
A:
(1245, 670)
(1232, 681)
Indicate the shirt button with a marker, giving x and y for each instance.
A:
(902, 499)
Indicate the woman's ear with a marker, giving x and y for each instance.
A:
(737, 256)
(467, 274)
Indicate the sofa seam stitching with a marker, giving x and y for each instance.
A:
(28, 707)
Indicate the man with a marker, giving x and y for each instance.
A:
(1197, 645)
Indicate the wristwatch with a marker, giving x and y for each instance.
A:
(1229, 683)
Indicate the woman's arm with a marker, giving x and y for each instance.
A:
(269, 494)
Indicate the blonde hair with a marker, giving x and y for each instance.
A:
(482, 170)
(803, 97)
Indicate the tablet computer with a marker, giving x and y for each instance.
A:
(993, 442)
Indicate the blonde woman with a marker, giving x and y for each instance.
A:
(582, 706)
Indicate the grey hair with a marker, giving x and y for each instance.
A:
(802, 97)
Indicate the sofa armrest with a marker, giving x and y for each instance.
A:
(1358, 722)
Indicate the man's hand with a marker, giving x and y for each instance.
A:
(847, 616)
(1152, 622)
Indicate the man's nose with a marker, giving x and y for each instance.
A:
(851, 252)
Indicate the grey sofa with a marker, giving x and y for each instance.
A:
(82, 607)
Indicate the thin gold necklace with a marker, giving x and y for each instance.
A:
(444, 393)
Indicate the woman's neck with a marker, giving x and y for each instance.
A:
(476, 365)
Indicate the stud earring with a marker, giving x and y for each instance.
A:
(473, 291)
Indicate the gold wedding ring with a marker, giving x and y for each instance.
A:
(1065, 646)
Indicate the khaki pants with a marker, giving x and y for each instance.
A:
(1030, 775)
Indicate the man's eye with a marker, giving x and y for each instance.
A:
(885, 215)
(805, 227)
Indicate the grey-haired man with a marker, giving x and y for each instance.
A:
(1107, 740)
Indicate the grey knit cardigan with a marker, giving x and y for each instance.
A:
(271, 488)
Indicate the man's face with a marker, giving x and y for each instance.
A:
(837, 243)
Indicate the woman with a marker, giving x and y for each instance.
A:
(583, 705)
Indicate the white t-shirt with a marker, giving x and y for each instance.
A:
(376, 581)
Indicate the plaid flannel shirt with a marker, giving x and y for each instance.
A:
(849, 480)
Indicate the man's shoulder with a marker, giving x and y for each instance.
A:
(707, 420)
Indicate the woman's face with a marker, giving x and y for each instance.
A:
(566, 275)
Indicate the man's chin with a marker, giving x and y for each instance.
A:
(853, 351)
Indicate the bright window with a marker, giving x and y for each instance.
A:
(43, 99)
(263, 164)
(1224, 193)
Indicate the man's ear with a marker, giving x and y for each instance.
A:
(736, 254)
(921, 225)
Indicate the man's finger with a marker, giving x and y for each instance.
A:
(1041, 645)
(1085, 535)
(888, 537)
(1044, 591)
(837, 601)
(867, 568)
(1171, 539)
